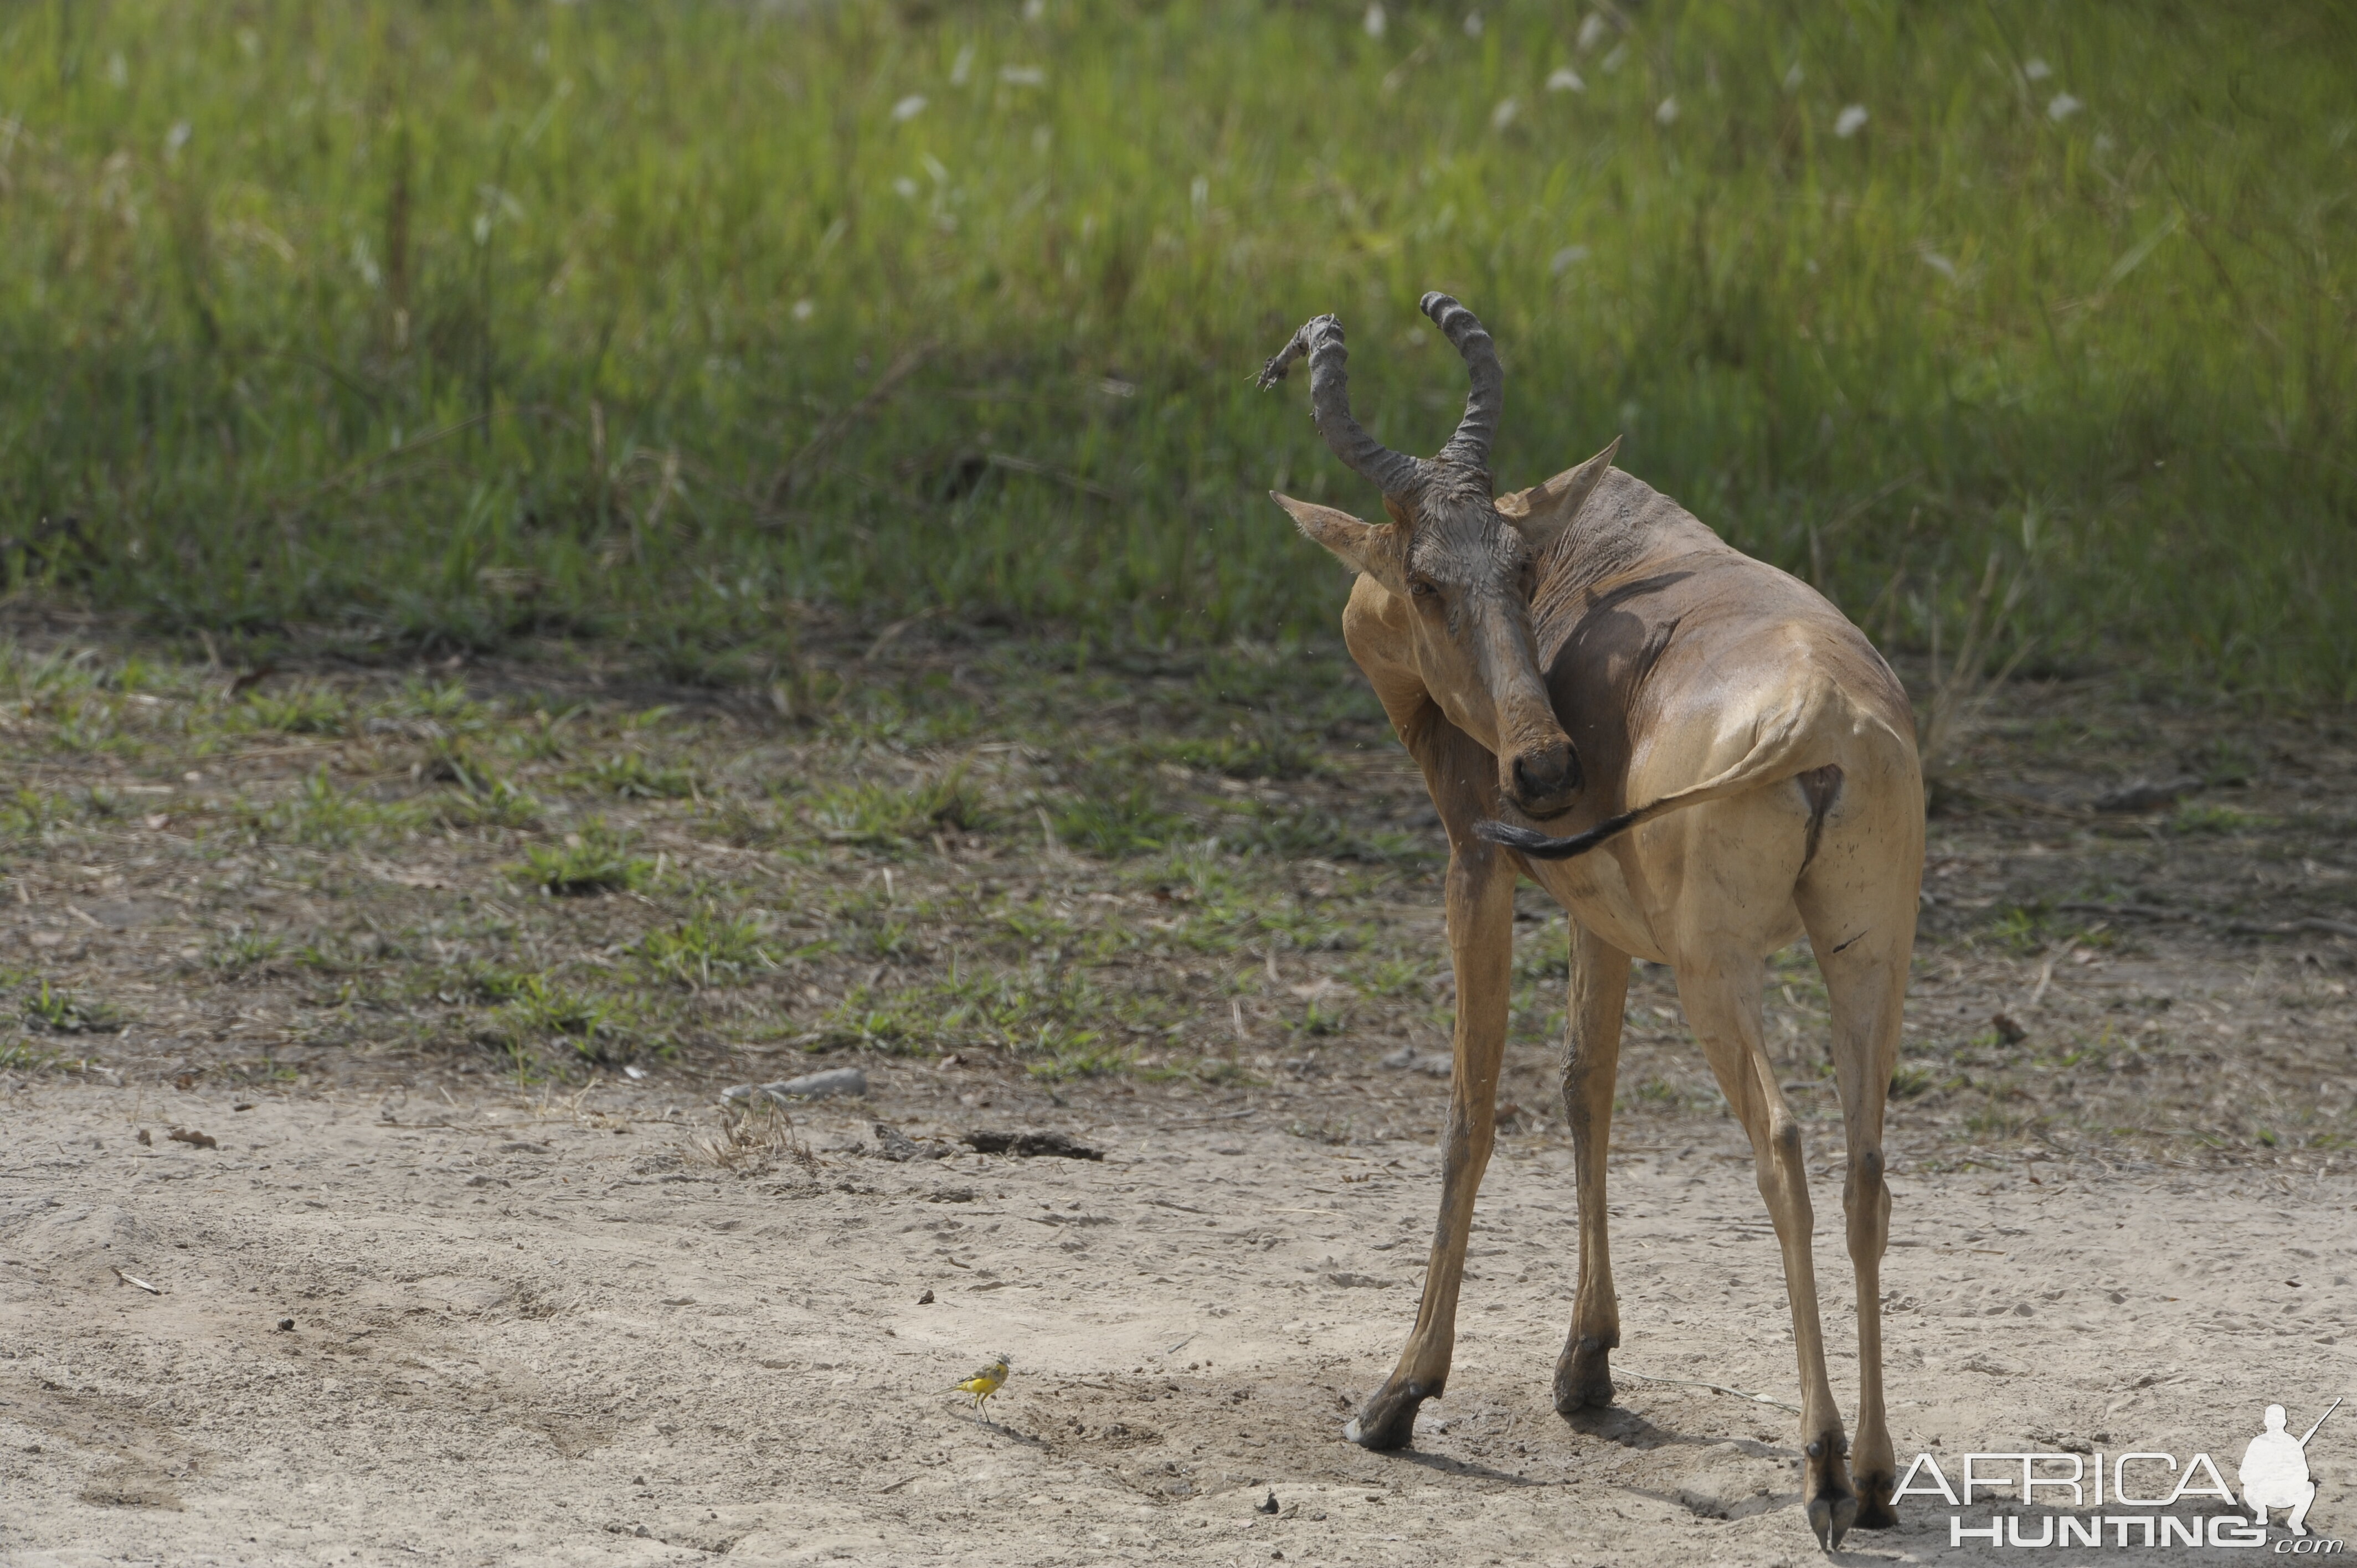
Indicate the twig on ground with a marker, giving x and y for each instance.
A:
(1714, 1388)
(2046, 972)
(136, 1279)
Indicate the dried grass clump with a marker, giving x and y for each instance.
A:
(753, 1141)
(1964, 682)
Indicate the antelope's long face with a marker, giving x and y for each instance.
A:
(1466, 577)
(1461, 566)
(1462, 575)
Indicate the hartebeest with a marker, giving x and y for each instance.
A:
(1719, 762)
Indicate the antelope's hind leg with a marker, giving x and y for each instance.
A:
(1591, 1060)
(1866, 996)
(1864, 946)
(1721, 993)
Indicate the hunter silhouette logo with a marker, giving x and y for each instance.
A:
(2142, 1498)
(2275, 1471)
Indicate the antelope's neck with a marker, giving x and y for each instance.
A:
(1626, 526)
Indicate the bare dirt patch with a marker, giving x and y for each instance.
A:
(617, 1350)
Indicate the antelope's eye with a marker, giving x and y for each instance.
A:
(1423, 588)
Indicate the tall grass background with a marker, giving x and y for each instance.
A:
(431, 325)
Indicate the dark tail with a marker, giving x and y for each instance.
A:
(1538, 846)
(1781, 751)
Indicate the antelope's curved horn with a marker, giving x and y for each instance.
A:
(1321, 341)
(1470, 447)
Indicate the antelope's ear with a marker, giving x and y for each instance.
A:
(1362, 546)
(1543, 511)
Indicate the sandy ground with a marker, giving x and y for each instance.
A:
(561, 1332)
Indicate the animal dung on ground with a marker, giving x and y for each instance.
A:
(2008, 1029)
(850, 1081)
(190, 1137)
(1063, 1146)
(926, 1299)
(143, 1138)
(285, 1326)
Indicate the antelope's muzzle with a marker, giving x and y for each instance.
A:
(1546, 778)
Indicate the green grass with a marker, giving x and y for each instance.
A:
(706, 950)
(1035, 1014)
(534, 1010)
(597, 859)
(485, 800)
(322, 815)
(631, 775)
(238, 950)
(1113, 817)
(62, 1013)
(883, 815)
(428, 327)
(1273, 753)
(2210, 817)
(301, 710)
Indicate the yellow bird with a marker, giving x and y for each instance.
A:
(985, 1382)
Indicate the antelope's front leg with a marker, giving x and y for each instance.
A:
(1481, 947)
(1591, 1059)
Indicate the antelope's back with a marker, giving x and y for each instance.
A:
(1665, 646)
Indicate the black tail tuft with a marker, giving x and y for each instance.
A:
(1538, 846)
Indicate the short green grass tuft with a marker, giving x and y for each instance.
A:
(708, 949)
(62, 1013)
(240, 950)
(300, 710)
(594, 860)
(322, 815)
(631, 775)
(884, 815)
(2211, 817)
(1113, 818)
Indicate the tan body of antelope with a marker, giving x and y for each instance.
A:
(1701, 760)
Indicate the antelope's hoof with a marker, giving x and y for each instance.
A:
(1831, 1517)
(1833, 1504)
(1875, 1508)
(1387, 1421)
(1583, 1377)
